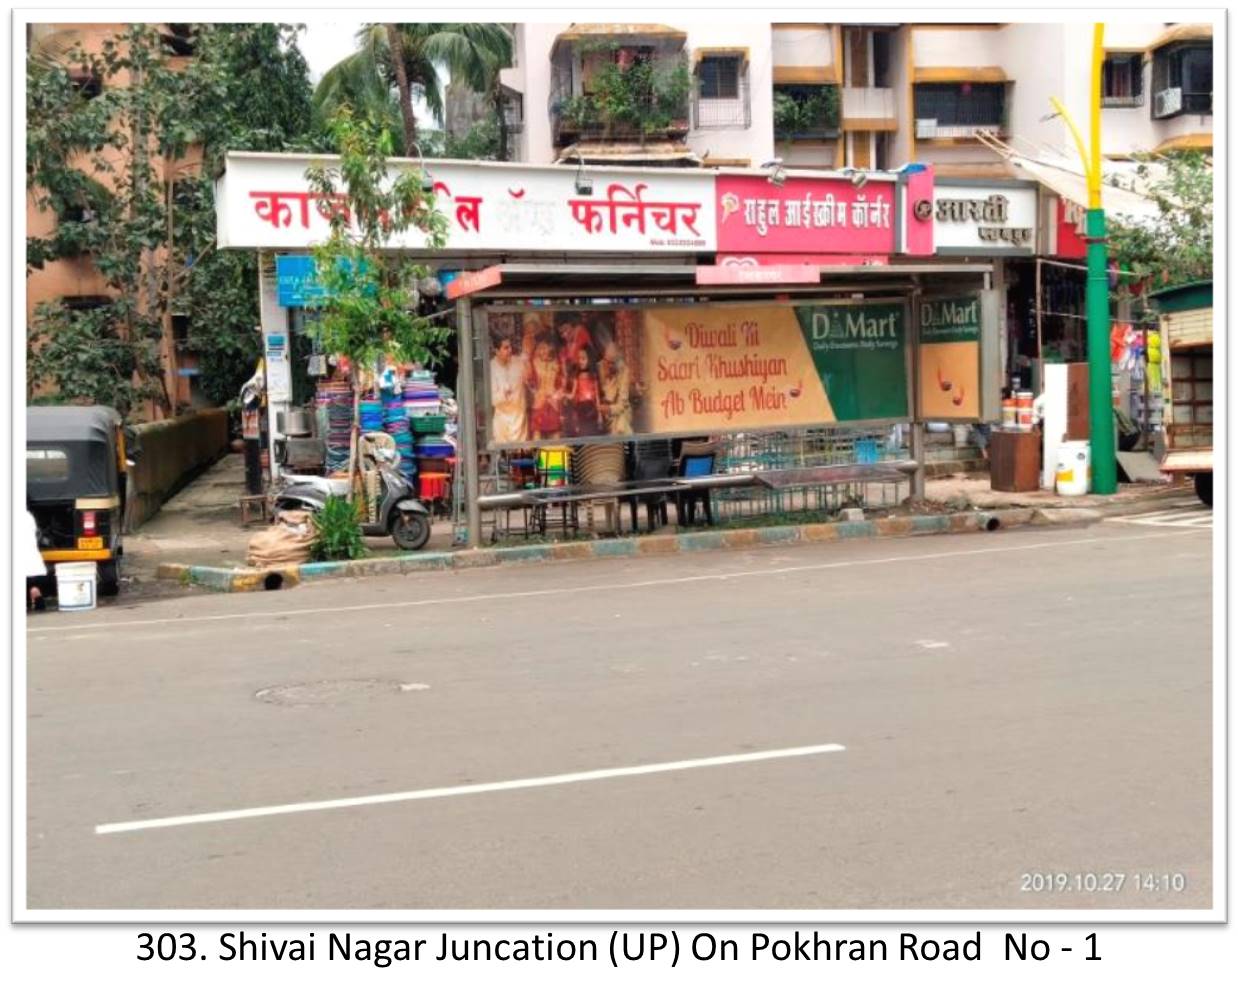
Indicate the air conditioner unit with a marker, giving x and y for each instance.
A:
(926, 127)
(1167, 102)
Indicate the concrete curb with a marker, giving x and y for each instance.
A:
(257, 579)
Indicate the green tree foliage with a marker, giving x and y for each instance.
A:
(370, 305)
(126, 165)
(639, 97)
(805, 110)
(1176, 247)
(366, 81)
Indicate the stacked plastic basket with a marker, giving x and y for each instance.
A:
(395, 419)
(335, 398)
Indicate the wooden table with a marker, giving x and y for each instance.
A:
(1014, 460)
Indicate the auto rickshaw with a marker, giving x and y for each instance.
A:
(76, 472)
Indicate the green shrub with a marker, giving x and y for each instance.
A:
(338, 535)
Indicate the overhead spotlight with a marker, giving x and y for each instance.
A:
(777, 172)
(584, 184)
(857, 176)
(427, 181)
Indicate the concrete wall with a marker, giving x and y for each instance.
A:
(803, 46)
(756, 142)
(942, 47)
(171, 453)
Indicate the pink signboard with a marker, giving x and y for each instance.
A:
(805, 215)
(782, 273)
(817, 259)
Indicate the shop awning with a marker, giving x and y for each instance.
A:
(960, 74)
(625, 278)
(1181, 33)
(1073, 187)
(723, 51)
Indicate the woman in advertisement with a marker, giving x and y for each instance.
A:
(546, 381)
(582, 416)
(615, 392)
(508, 373)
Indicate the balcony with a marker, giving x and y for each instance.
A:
(868, 103)
(805, 112)
(954, 111)
(630, 85)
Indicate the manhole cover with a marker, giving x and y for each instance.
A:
(330, 693)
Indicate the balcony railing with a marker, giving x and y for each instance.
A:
(805, 113)
(1128, 100)
(628, 112)
(929, 128)
(868, 102)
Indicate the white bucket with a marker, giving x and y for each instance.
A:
(1074, 468)
(75, 586)
(962, 435)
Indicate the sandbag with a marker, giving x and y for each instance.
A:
(286, 542)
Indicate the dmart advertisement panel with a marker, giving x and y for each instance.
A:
(615, 373)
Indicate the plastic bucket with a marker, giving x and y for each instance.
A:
(1010, 416)
(1074, 468)
(75, 586)
(1023, 410)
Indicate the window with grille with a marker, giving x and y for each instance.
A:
(722, 93)
(1122, 81)
(1184, 74)
(719, 77)
(954, 105)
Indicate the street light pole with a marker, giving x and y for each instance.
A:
(1100, 380)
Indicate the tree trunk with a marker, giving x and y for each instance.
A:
(502, 122)
(396, 44)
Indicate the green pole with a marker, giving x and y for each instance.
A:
(1100, 380)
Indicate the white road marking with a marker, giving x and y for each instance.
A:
(931, 644)
(1197, 516)
(182, 621)
(440, 793)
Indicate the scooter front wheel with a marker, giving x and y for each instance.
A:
(410, 530)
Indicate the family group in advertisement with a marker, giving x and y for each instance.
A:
(623, 372)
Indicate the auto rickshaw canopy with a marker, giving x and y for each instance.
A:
(89, 439)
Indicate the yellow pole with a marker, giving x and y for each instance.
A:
(1098, 60)
(1100, 384)
(1074, 133)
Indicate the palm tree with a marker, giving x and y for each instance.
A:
(409, 57)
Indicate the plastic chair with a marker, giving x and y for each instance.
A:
(650, 461)
(695, 465)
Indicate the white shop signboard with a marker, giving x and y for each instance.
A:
(985, 218)
(265, 203)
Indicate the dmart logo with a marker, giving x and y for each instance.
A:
(853, 324)
(936, 314)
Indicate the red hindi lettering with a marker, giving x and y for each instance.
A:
(274, 207)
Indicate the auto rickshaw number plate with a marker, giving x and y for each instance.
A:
(90, 542)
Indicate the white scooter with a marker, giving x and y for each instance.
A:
(399, 514)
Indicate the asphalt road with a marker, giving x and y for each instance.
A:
(1013, 705)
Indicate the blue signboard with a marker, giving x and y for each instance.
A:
(296, 280)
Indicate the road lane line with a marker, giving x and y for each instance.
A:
(439, 793)
(182, 621)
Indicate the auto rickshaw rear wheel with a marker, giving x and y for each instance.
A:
(109, 577)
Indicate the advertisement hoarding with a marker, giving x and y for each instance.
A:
(616, 373)
(949, 357)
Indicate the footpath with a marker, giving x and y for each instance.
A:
(197, 543)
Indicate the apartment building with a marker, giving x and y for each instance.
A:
(867, 95)
(77, 280)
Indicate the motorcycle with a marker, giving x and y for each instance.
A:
(398, 513)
